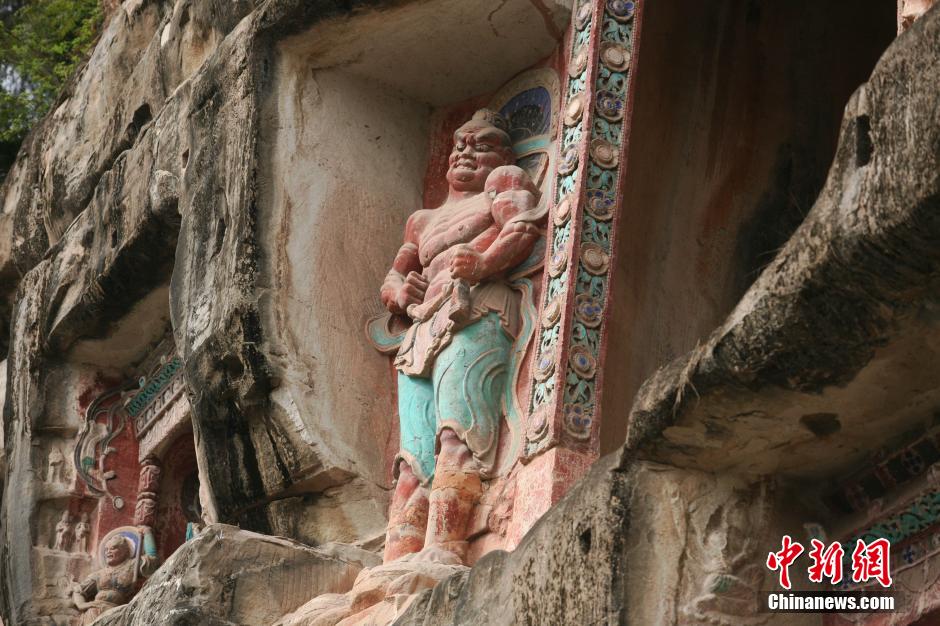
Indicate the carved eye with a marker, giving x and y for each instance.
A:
(483, 147)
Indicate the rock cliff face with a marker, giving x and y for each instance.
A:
(153, 197)
(231, 576)
(849, 300)
(204, 172)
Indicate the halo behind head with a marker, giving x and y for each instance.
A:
(128, 534)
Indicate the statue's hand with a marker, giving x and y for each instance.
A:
(78, 599)
(467, 263)
(412, 290)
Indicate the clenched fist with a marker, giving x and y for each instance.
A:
(411, 291)
(467, 263)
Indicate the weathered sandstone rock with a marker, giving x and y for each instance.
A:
(813, 367)
(231, 576)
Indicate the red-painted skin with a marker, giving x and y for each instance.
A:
(408, 516)
(470, 237)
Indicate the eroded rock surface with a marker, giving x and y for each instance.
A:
(379, 595)
(815, 364)
(231, 576)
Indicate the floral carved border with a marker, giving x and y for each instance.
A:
(583, 226)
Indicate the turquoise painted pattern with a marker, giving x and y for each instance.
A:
(465, 392)
(600, 184)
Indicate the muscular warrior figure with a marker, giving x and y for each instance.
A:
(116, 583)
(449, 277)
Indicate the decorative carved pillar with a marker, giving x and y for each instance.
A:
(563, 433)
(565, 406)
(148, 488)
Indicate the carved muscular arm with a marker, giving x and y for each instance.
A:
(503, 246)
(404, 284)
(149, 561)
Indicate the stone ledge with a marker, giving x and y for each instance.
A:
(230, 576)
(835, 347)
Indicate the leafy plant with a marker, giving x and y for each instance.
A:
(41, 43)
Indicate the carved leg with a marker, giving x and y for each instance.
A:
(408, 516)
(455, 490)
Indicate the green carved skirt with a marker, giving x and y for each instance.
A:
(464, 393)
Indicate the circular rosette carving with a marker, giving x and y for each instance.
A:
(577, 421)
(609, 106)
(537, 426)
(621, 10)
(594, 258)
(578, 62)
(583, 14)
(569, 161)
(575, 110)
(557, 263)
(605, 154)
(588, 310)
(551, 313)
(563, 210)
(599, 205)
(615, 56)
(545, 366)
(582, 362)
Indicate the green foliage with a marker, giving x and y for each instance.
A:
(41, 43)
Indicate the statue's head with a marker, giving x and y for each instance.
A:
(480, 146)
(117, 551)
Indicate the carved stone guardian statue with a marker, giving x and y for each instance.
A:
(449, 277)
(116, 583)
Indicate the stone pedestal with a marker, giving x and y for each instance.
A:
(541, 484)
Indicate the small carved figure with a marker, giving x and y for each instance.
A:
(82, 530)
(63, 533)
(449, 277)
(732, 567)
(116, 583)
(55, 466)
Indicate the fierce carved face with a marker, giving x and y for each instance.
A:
(479, 148)
(117, 551)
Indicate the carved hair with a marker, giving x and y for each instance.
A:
(118, 540)
(492, 118)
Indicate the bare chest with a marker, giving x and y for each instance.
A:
(452, 224)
